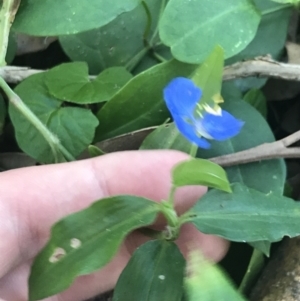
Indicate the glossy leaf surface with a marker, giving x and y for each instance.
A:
(247, 215)
(56, 17)
(200, 26)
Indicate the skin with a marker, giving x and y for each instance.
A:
(33, 199)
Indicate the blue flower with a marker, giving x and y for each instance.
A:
(198, 122)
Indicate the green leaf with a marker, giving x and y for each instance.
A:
(70, 82)
(209, 76)
(200, 172)
(206, 281)
(266, 176)
(200, 27)
(166, 137)
(75, 127)
(246, 215)
(95, 151)
(139, 103)
(2, 114)
(118, 43)
(263, 246)
(257, 99)
(86, 241)
(154, 272)
(55, 17)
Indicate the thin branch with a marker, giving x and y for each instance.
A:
(262, 67)
(259, 67)
(266, 151)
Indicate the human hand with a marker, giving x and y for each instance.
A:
(33, 199)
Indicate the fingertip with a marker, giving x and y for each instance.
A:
(212, 247)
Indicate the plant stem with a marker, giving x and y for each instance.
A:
(162, 8)
(159, 57)
(275, 9)
(193, 151)
(148, 24)
(7, 15)
(52, 139)
(137, 58)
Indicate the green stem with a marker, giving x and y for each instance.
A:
(275, 9)
(162, 8)
(137, 58)
(159, 57)
(193, 151)
(53, 141)
(7, 15)
(148, 25)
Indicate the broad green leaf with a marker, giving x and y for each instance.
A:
(154, 272)
(206, 281)
(55, 17)
(266, 176)
(139, 103)
(208, 76)
(257, 99)
(275, 18)
(246, 215)
(70, 82)
(75, 127)
(200, 27)
(167, 137)
(86, 241)
(2, 113)
(118, 43)
(200, 172)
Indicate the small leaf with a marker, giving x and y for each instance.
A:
(257, 99)
(95, 151)
(246, 215)
(166, 137)
(205, 281)
(55, 17)
(75, 127)
(70, 82)
(263, 246)
(86, 241)
(209, 75)
(200, 27)
(200, 172)
(154, 272)
(139, 104)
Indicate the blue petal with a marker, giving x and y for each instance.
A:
(221, 127)
(189, 132)
(181, 96)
